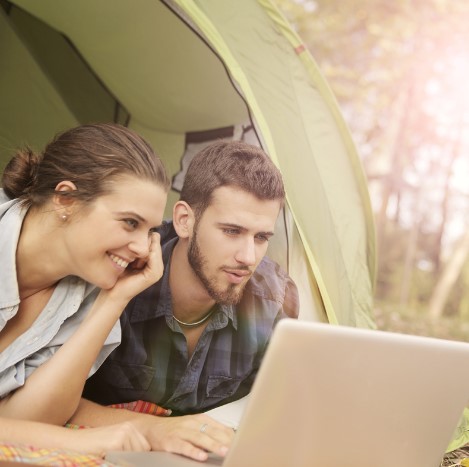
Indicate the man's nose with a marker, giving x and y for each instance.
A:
(247, 253)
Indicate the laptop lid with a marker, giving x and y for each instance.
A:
(329, 396)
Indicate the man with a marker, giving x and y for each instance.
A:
(195, 340)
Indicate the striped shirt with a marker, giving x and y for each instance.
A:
(152, 361)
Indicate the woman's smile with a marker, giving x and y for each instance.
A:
(120, 262)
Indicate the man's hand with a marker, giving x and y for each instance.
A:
(190, 435)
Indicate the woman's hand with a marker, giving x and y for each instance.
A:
(99, 441)
(142, 273)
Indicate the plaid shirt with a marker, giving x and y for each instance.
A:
(152, 361)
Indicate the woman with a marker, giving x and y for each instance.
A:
(77, 216)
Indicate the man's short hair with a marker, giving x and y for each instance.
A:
(231, 163)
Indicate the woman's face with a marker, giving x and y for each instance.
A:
(103, 238)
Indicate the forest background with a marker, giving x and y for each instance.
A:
(400, 70)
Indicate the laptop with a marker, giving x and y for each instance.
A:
(328, 396)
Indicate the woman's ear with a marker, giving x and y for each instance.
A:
(63, 203)
(183, 219)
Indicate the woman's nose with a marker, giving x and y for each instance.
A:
(140, 245)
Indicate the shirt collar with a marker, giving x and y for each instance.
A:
(11, 220)
(230, 312)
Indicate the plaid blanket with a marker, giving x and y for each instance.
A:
(64, 458)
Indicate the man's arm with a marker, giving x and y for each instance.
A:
(291, 302)
(181, 435)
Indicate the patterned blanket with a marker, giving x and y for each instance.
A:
(50, 457)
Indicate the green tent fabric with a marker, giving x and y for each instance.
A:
(176, 70)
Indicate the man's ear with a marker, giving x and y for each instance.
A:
(183, 219)
(62, 202)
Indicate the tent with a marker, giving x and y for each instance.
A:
(184, 72)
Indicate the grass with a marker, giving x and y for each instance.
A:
(456, 457)
(447, 327)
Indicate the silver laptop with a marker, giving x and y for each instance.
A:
(329, 396)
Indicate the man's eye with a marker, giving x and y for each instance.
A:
(262, 238)
(231, 231)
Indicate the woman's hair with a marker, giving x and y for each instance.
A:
(235, 164)
(90, 156)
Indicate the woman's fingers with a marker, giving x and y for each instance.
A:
(142, 273)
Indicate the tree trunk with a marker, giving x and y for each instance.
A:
(448, 277)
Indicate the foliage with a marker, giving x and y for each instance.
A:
(399, 71)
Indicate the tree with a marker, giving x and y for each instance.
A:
(399, 72)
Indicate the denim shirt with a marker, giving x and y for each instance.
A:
(69, 303)
(152, 363)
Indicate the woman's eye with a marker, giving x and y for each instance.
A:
(132, 223)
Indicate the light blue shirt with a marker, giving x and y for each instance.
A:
(68, 305)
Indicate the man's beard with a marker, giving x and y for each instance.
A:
(230, 296)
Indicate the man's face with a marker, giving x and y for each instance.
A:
(230, 240)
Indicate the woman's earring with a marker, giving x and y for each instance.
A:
(64, 217)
